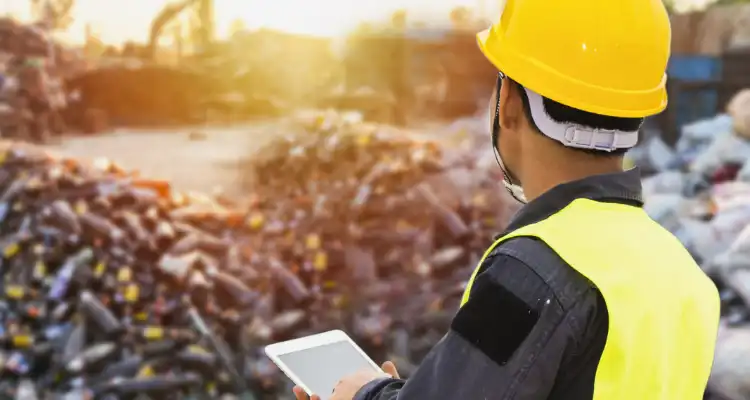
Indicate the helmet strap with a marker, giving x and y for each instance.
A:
(512, 185)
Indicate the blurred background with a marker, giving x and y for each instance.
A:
(411, 63)
(341, 152)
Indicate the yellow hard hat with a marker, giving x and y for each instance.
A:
(606, 57)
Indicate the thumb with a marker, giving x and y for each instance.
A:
(390, 369)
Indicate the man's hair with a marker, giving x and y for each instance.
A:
(566, 114)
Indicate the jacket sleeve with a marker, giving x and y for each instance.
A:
(508, 341)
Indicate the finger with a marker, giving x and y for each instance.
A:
(390, 369)
(300, 394)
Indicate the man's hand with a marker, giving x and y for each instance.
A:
(300, 394)
(350, 385)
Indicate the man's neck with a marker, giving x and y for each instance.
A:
(541, 177)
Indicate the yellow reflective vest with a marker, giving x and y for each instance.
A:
(663, 310)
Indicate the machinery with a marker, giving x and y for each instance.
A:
(201, 18)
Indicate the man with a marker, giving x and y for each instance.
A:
(583, 296)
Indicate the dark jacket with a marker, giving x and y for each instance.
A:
(501, 345)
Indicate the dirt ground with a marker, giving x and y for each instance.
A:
(201, 159)
(211, 161)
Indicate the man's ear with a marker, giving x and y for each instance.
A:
(511, 108)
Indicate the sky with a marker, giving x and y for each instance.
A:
(116, 21)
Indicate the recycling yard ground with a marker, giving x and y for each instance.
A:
(200, 159)
(192, 164)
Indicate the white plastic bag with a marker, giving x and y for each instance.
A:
(691, 233)
(731, 367)
(664, 209)
(670, 182)
(653, 156)
(736, 256)
(739, 109)
(725, 228)
(726, 148)
(660, 155)
(729, 195)
(744, 174)
(700, 134)
(733, 265)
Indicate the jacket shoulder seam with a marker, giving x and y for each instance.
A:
(543, 261)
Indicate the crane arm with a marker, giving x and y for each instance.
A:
(166, 15)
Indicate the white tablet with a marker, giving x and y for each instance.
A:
(316, 363)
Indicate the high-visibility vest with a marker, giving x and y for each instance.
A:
(663, 310)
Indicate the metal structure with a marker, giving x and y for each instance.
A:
(202, 14)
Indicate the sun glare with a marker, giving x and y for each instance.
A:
(321, 17)
(117, 21)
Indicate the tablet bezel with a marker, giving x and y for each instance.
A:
(273, 351)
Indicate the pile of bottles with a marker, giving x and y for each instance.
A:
(116, 287)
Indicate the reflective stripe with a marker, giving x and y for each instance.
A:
(663, 310)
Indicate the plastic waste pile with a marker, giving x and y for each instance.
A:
(22, 39)
(32, 96)
(115, 287)
(700, 191)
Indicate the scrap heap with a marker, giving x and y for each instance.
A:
(116, 287)
(32, 69)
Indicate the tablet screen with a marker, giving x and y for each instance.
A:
(320, 368)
